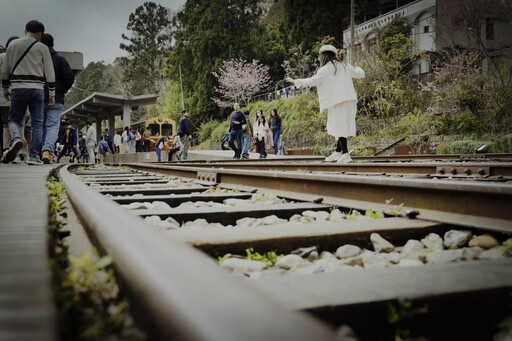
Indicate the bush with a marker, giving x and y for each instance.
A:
(205, 131)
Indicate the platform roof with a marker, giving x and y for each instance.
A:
(102, 106)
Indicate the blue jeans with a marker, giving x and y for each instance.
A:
(51, 127)
(245, 141)
(276, 134)
(236, 135)
(34, 100)
(158, 153)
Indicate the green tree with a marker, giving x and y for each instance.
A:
(206, 33)
(149, 42)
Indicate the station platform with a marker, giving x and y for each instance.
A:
(27, 310)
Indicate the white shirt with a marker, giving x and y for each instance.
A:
(90, 137)
(333, 88)
(260, 129)
(117, 140)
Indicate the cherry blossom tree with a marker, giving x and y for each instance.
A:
(239, 81)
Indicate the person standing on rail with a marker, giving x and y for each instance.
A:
(64, 79)
(336, 94)
(90, 141)
(185, 134)
(235, 130)
(26, 65)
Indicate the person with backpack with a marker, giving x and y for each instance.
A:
(103, 149)
(26, 65)
(185, 134)
(247, 132)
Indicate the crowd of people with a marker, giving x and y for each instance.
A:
(35, 77)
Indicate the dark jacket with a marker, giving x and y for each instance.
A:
(162, 139)
(274, 123)
(69, 138)
(183, 128)
(64, 77)
(237, 116)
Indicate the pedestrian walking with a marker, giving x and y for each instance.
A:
(260, 132)
(138, 141)
(90, 141)
(27, 62)
(235, 130)
(247, 132)
(82, 149)
(281, 145)
(64, 79)
(70, 142)
(103, 149)
(336, 94)
(5, 140)
(175, 146)
(185, 134)
(275, 124)
(159, 145)
(117, 143)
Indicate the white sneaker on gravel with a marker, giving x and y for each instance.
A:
(333, 157)
(17, 161)
(345, 158)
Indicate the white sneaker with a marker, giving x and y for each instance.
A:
(17, 160)
(34, 161)
(345, 158)
(333, 157)
(11, 154)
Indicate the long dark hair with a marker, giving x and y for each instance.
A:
(328, 56)
(278, 118)
(264, 119)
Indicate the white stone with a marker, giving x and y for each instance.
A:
(380, 244)
(290, 262)
(306, 269)
(322, 215)
(336, 215)
(160, 205)
(295, 218)
(494, 253)
(327, 255)
(353, 261)
(392, 257)
(312, 256)
(485, 241)
(328, 264)
(305, 220)
(153, 220)
(409, 262)
(245, 222)
(412, 246)
(348, 250)
(165, 225)
(445, 256)
(310, 214)
(236, 202)
(244, 265)
(273, 220)
(433, 241)
(456, 238)
(473, 252)
(374, 261)
(197, 223)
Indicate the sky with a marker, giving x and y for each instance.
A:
(93, 27)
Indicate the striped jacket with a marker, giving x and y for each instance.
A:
(31, 71)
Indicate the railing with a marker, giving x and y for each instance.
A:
(283, 93)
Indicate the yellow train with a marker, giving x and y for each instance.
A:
(158, 126)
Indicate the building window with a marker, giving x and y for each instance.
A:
(489, 29)
(426, 29)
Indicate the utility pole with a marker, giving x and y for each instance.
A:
(181, 85)
(351, 59)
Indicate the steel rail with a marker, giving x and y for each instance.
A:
(452, 168)
(178, 291)
(461, 203)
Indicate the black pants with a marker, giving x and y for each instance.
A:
(171, 153)
(261, 147)
(342, 145)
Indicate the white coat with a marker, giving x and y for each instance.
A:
(333, 88)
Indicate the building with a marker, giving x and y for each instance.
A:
(441, 24)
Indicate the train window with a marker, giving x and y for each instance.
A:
(166, 129)
(154, 129)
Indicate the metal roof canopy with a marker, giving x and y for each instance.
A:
(102, 106)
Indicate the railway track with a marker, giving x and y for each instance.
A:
(314, 250)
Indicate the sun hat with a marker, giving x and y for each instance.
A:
(326, 48)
